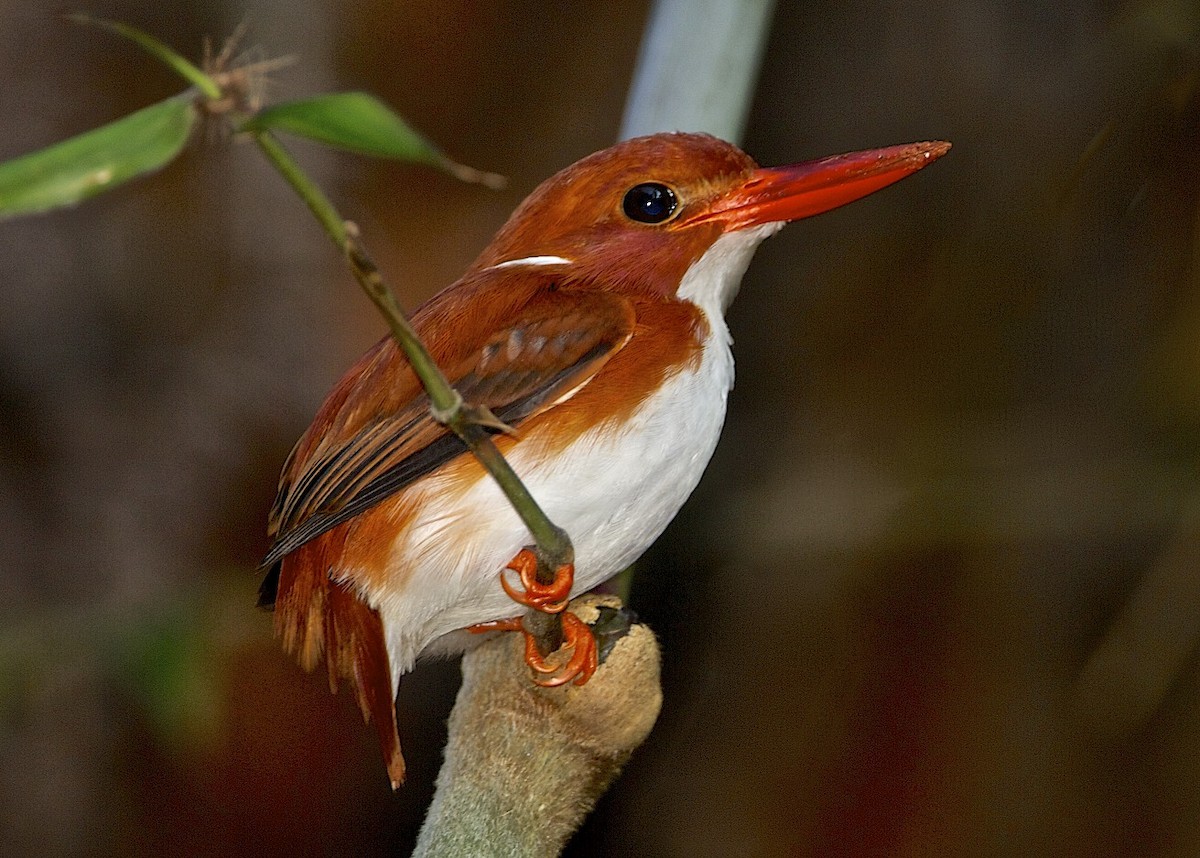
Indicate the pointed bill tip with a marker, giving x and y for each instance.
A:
(926, 148)
(937, 148)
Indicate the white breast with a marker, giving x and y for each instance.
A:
(613, 493)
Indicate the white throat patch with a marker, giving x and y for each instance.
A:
(713, 280)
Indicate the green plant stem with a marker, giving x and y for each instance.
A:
(304, 187)
(553, 546)
(448, 408)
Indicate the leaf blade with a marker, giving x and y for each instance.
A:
(359, 122)
(88, 164)
(173, 60)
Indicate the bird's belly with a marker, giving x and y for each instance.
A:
(612, 491)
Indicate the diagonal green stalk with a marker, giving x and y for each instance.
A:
(553, 546)
(448, 406)
(304, 187)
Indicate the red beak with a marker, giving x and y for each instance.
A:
(774, 194)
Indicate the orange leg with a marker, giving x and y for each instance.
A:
(549, 598)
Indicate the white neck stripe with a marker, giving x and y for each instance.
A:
(532, 260)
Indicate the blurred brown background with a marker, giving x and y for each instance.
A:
(939, 591)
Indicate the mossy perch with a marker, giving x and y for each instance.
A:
(524, 765)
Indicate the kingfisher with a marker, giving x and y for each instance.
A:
(593, 326)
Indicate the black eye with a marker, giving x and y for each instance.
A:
(649, 203)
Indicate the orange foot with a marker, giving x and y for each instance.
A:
(548, 598)
(580, 666)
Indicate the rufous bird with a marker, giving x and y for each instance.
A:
(593, 325)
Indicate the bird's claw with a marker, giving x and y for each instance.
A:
(579, 667)
(576, 634)
(549, 598)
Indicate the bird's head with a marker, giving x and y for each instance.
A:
(640, 215)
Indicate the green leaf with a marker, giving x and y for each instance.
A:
(358, 122)
(83, 166)
(155, 48)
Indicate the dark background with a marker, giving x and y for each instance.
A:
(938, 592)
